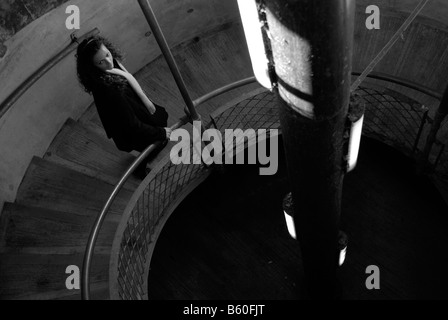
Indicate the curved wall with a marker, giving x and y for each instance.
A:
(420, 55)
(30, 125)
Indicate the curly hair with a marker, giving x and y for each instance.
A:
(89, 76)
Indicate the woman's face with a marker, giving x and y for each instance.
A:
(103, 59)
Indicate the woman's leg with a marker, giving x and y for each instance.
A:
(141, 171)
(159, 119)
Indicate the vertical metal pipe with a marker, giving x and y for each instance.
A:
(439, 155)
(419, 133)
(439, 116)
(312, 43)
(152, 21)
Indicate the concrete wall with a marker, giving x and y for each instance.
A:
(29, 127)
(420, 55)
(435, 10)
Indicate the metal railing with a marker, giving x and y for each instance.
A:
(163, 45)
(24, 86)
(161, 192)
(393, 121)
(437, 161)
(167, 184)
(257, 112)
(441, 160)
(142, 222)
(402, 82)
(190, 110)
(88, 255)
(389, 119)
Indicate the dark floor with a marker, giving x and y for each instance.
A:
(228, 239)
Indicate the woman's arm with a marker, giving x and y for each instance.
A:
(122, 118)
(136, 86)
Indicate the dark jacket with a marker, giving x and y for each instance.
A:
(126, 119)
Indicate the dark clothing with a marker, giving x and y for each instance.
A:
(127, 120)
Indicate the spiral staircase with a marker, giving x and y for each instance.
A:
(47, 227)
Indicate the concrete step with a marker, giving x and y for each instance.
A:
(98, 291)
(71, 181)
(49, 185)
(91, 115)
(91, 120)
(36, 276)
(37, 230)
(79, 148)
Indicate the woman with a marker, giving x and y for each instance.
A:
(128, 116)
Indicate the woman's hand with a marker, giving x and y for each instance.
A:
(168, 132)
(118, 72)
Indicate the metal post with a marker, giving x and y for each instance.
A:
(439, 116)
(312, 43)
(152, 21)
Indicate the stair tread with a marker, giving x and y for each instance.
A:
(98, 291)
(50, 185)
(79, 148)
(23, 276)
(63, 189)
(44, 230)
(94, 124)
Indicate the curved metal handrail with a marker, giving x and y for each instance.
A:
(402, 82)
(17, 93)
(85, 283)
(154, 201)
(85, 292)
(142, 221)
(152, 204)
(223, 89)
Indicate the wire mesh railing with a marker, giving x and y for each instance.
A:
(396, 122)
(162, 190)
(145, 216)
(88, 256)
(387, 118)
(441, 160)
(440, 156)
(257, 112)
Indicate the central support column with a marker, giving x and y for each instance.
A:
(311, 43)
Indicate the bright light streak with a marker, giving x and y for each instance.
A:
(254, 39)
(290, 225)
(354, 142)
